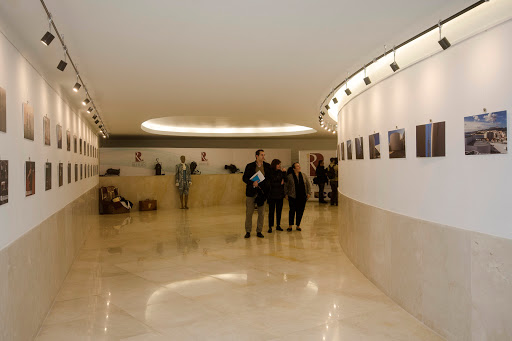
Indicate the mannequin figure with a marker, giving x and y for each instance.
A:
(183, 181)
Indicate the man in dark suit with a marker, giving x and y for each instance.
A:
(255, 192)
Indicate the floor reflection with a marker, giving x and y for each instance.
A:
(189, 275)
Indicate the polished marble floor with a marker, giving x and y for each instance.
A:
(190, 275)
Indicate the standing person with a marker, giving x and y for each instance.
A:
(183, 181)
(254, 189)
(277, 179)
(321, 180)
(332, 173)
(298, 191)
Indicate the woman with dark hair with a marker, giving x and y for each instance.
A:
(332, 173)
(276, 194)
(321, 180)
(298, 191)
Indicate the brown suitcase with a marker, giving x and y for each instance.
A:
(147, 205)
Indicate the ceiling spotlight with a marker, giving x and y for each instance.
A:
(48, 36)
(101, 126)
(97, 121)
(394, 65)
(104, 137)
(347, 90)
(334, 131)
(77, 87)
(322, 113)
(94, 116)
(366, 79)
(85, 102)
(62, 65)
(327, 107)
(335, 100)
(443, 41)
(90, 110)
(329, 129)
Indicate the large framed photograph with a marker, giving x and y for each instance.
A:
(75, 144)
(342, 150)
(80, 145)
(396, 144)
(4, 182)
(3, 110)
(28, 121)
(30, 178)
(76, 172)
(430, 140)
(486, 133)
(46, 130)
(374, 145)
(69, 172)
(349, 150)
(81, 171)
(61, 174)
(359, 148)
(59, 136)
(48, 176)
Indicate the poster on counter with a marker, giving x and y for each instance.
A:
(309, 161)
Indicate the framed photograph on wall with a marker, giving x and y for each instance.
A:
(81, 171)
(61, 174)
(30, 178)
(486, 133)
(28, 121)
(48, 176)
(4, 182)
(342, 149)
(76, 172)
(349, 150)
(374, 145)
(69, 172)
(396, 144)
(46, 130)
(3, 110)
(80, 145)
(430, 140)
(75, 143)
(359, 148)
(68, 140)
(59, 136)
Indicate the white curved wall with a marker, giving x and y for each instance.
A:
(468, 192)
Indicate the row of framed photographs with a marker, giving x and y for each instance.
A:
(483, 134)
(82, 171)
(84, 147)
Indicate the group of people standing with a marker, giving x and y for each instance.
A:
(325, 176)
(278, 185)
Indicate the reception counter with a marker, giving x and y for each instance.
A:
(206, 190)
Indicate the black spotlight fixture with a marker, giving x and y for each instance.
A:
(94, 116)
(100, 126)
(62, 65)
(327, 107)
(77, 85)
(48, 36)
(90, 110)
(366, 79)
(347, 90)
(394, 66)
(322, 113)
(443, 41)
(85, 102)
(97, 121)
(335, 100)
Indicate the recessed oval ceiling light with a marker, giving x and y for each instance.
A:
(222, 127)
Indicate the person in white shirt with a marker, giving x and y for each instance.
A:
(183, 181)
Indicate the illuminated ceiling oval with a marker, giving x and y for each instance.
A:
(204, 126)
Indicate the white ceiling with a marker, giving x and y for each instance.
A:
(270, 60)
